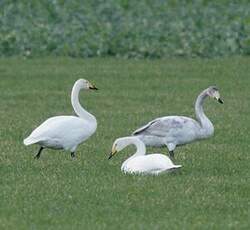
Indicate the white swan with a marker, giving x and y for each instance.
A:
(140, 163)
(65, 132)
(172, 131)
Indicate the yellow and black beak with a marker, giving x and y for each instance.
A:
(92, 86)
(220, 101)
(112, 154)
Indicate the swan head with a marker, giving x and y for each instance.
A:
(118, 145)
(85, 84)
(213, 92)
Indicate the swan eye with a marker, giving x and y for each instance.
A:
(215, 93)
(92, 86)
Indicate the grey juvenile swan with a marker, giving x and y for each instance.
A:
(172, 131)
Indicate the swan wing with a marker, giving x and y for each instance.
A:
(56, 130)
(162, 126)
(149, 164)
(146, 127)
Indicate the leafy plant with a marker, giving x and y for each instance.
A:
(125, 28)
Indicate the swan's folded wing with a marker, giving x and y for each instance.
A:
(160, 126)
(57, 128)
(145, 127)
(148, 164)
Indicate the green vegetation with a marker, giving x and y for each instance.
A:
(211, 191)
(124, 28)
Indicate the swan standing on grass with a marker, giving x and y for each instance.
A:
(172, 131)
(140, 163)
(66, 132)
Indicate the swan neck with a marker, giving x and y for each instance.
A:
(203, 120)
(140, 149)
(140, 146)
(79, 110)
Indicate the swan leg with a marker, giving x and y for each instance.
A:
(37, 156)
(171, 154)
(73, 155)
(171, 148)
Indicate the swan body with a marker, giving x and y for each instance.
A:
(61, 132)
(139, 163)
(66, 132)
(172, 131)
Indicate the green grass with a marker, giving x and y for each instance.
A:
(211, 191)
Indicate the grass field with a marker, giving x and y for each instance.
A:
(211, 191)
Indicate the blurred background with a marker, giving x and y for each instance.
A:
(123, 28)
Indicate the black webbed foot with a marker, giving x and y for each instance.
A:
(37, 156)
(171, 154)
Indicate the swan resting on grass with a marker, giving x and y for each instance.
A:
(139, 163)
(172, 131)
(66, 132)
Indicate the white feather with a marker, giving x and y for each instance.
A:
(139, 163)
(65, 132)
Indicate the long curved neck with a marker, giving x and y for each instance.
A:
(79, 110)
(140, 149)
(140, 146)
(205, 124)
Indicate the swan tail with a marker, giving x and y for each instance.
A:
(29, 141)
(177, 166)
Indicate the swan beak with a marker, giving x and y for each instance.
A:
(91, 86)
(112, 154)
(220, 101)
